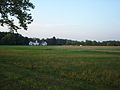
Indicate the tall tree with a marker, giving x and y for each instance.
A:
(54, 41)
(15, 10)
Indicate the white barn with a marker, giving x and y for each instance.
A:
(30, 43)
(33, 43)
(44, 43)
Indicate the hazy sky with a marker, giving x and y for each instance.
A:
(75, 19)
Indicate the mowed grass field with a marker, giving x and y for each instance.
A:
(59, 68)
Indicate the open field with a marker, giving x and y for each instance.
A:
(59, 68)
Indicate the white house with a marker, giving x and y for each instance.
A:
(36, 43)
(44, 43)
(30, 43)
(33, 43)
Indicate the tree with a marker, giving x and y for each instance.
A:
(15, 10)
(8, 39)
(54, 42)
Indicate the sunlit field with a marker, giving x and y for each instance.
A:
(59, 68)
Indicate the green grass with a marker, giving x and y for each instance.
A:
(59, 68)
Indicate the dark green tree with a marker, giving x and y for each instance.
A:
(8, 39)
(54, 41)
(12, 11)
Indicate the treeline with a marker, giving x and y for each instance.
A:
(55, 41)
(94, 43)
(7, 38)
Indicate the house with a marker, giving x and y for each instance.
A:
(30, 43)
(44, 43)
(33, 43)
(36, 43)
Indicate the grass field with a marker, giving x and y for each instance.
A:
(59, 68)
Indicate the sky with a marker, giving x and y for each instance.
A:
(75, 19)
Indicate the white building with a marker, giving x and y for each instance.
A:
(30, 43)
(44, 43)
(33, 43)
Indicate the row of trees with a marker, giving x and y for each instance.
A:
(12, 39)
(93, 43)
(7, 38)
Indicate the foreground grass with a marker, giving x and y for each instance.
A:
(59, 68)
